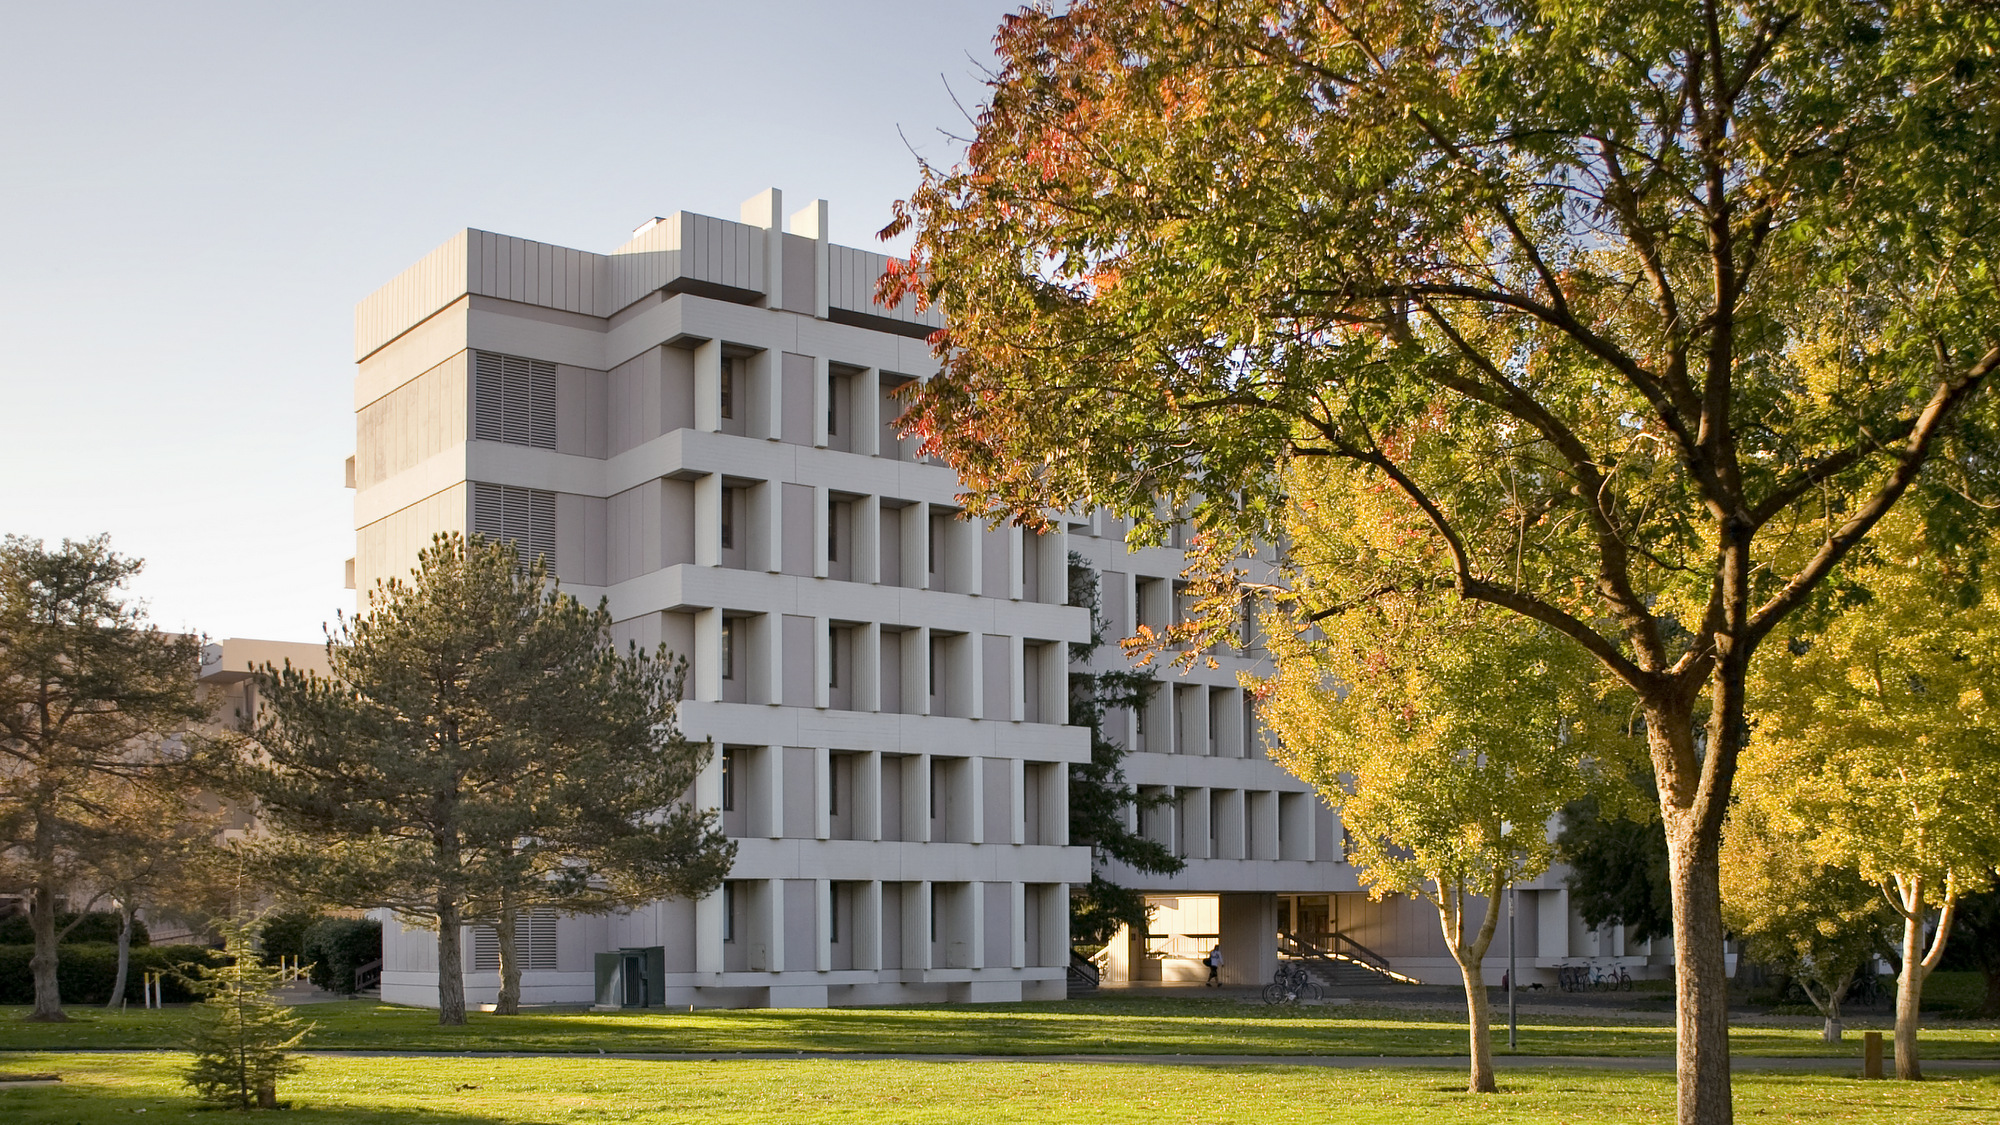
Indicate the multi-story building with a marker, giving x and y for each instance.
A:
(698, 427)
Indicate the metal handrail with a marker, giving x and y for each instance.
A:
(1300, 945)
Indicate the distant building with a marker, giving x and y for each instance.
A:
(698, 427)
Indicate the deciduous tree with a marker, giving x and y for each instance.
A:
(93, 704)
(1877, 742)
(1446, 733)
(1673, 282)
(479, 747)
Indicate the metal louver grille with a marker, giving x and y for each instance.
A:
(513, 400)
(526, 516)
(534, 941)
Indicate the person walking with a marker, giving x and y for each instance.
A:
(1214, 963)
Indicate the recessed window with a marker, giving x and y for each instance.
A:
(832, 404)
(728, 655)
(728, 912)
(728, 519)
(728, 387)
(728, 779)
(833, 915)
(833, 789)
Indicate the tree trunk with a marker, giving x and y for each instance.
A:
(124, 955)
(1478, 1027)
(1701, 977)
(451, 963)
(1910, 990)
(1470, 953)
(505, 931)
(42, 919)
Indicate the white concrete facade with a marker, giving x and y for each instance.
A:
(698, 427)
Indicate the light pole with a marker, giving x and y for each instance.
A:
(1513, 1025)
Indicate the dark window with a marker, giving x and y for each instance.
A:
(728, 388)
(728, 912)
(728, 779)
(728, 649)
(728, 519)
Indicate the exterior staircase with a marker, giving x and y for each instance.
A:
(1336, 961)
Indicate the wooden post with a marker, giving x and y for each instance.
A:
(1871, 1054)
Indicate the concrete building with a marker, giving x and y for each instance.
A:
(697, 426)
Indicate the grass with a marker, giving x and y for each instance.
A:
(1110, 1026)
(98, 1089)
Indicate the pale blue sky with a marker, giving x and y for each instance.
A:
(193, 196)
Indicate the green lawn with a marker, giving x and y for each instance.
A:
(1109, 1026)
(97, 1089)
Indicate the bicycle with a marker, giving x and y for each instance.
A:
(1291, 983)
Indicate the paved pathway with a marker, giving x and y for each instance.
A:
(1740, 1063)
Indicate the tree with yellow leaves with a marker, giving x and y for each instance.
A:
(1876, 739)
(1446, 733)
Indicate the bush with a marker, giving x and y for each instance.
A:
(97, 927)
(84, 972)
(338, 946)
(283, 933)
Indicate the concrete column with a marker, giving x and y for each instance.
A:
(1017, 682)
(822, 394)
(767, 659)
(968, 557)
(767, 925)
(1052, 556)
(823, 924)
(1017, 929)
(968, 675)
(867, 797)
(866, 394)
(810, 222)
(968, 806)
(867, 925)
(917, 799)
(1249, 927)
(1017, 812)
(1055, 684)
(867, 671)
(708, 924)
(764, 513)
(766, 209)
(708, 655)
(917, 925)
(708, 519)
(823, 793)
(822, 519)
(1228, 722)
(969, 942)
(770, 792)
(866, 538)
(1016, 559)
(916, 545)
(917, 668)
(1055, 925)
(822, 662)
(1263, 816)
(1298, 821)
(1552, 923)
(1055, 806)
(708, 387)
(1192, 804)
(1227, 809)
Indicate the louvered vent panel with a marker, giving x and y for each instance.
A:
(526, 516)
(514, 400)
(534, 941)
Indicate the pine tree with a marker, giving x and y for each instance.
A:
(241, 1036)
(1098, 792)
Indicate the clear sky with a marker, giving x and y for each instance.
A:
(193, 196)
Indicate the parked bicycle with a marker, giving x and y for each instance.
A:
(1291, 984)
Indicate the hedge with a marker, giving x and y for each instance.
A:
(84, 972)
(338, 946)
(97, 926)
